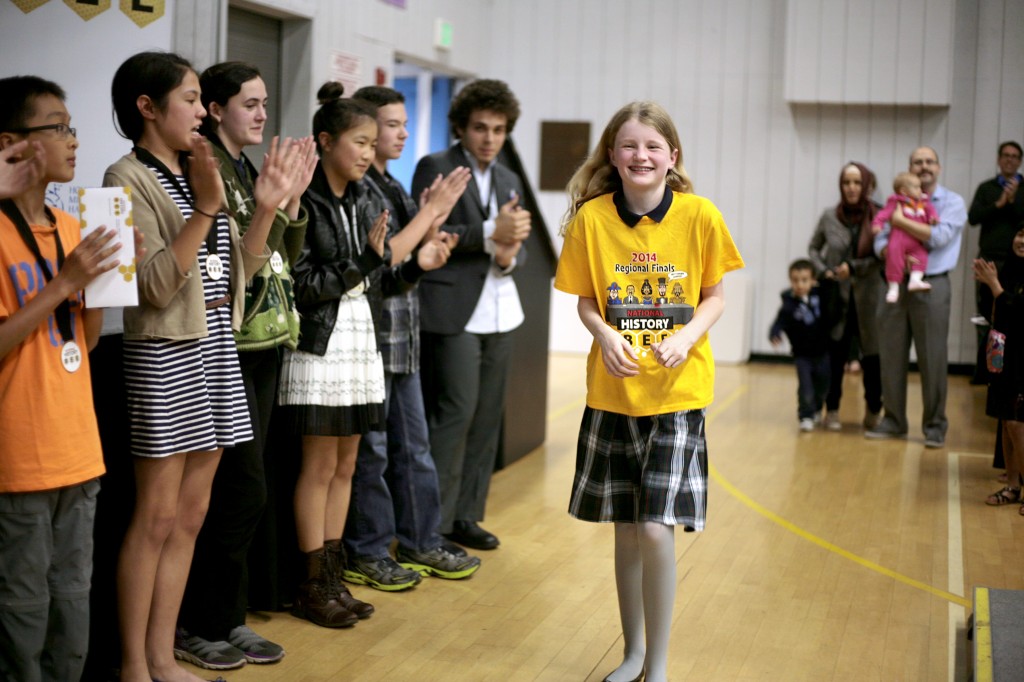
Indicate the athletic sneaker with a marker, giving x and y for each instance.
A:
(806, 424)
(381, 574)
(832, 422)
(206, 654)
(438, 562)
(255, 648)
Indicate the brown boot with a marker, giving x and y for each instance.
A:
(336, 555)
(317, 600)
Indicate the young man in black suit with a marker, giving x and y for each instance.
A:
(470, 307)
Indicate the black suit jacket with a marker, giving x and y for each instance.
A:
(449, 295)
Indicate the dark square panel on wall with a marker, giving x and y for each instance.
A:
(563, 147)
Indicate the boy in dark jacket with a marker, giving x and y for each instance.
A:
(803, 320)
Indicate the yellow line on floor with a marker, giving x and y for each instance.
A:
(983, 668)
(565, 409)
(720, 407)
(717, 409)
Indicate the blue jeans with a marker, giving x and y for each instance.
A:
(814, 376)
(45, 574)
(394, 489)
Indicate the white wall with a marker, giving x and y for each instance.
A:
(719, 68)
(53, 42)
(772, 167)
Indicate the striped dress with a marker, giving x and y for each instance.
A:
(187, 395)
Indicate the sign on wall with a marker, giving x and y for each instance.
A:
(141, 12)
(347, 69)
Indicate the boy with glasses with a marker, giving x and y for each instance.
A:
(50, 456)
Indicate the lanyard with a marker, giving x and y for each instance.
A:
(145, 156)
(63, 311)
(350, 226)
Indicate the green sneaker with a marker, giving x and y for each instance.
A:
(380, 574)
(439, 562)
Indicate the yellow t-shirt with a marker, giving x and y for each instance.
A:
(48, 433)
(647, 281)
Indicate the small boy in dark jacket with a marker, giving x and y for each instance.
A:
(802, 319)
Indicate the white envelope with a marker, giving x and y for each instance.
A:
(111, 207)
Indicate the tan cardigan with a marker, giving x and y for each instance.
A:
(171, 304)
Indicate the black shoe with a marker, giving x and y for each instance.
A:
(452, 548)
(470, 534)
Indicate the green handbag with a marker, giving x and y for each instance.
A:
(270, 317)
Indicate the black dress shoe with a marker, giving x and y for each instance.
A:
(470, 534)
(453, 548)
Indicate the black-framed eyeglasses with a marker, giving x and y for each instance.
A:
(61, 129)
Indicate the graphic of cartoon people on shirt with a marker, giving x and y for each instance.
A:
(631, 298)
(645, 320)
(677, 294)
(613, 294)
(647, 292)
(662, 291)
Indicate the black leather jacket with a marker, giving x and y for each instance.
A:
(328, 266)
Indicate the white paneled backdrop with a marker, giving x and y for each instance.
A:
(772, 166)
(771, 97)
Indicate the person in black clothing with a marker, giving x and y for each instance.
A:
(1006, 388)
(803, 320)
(997, 208)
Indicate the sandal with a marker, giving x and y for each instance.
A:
(1005, 495)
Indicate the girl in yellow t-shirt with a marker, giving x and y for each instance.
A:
(641, 460)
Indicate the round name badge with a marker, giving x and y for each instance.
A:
(71, 356)
(276, 262)
(214, 267)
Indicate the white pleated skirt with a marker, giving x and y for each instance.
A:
(341, 392)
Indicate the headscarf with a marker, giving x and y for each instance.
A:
(1011, 275)
(861, 212)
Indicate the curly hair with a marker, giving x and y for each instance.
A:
(493, 95)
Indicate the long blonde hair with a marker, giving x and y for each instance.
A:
(598, 176)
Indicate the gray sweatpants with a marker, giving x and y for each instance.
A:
(45, 574)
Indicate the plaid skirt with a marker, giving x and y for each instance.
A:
(633, 469)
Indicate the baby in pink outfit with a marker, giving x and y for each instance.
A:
(904, 247)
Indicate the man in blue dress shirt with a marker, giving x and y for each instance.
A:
(921, 316)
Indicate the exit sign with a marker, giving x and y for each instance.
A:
(442, 34)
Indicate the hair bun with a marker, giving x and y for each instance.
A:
(330, 91)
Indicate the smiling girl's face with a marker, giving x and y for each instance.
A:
(240, 122)
(1018, 243)
(349, 156)
(642, 156)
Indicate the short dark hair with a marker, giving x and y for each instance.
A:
(801, 264)
(17, 99)
(220, 83)
(379, 96)
(1011, 143)
(154, 74)
(336, 114)
(493, 95)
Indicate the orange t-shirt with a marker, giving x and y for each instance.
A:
(48, 433)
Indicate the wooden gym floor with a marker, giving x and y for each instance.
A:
(826, 557)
